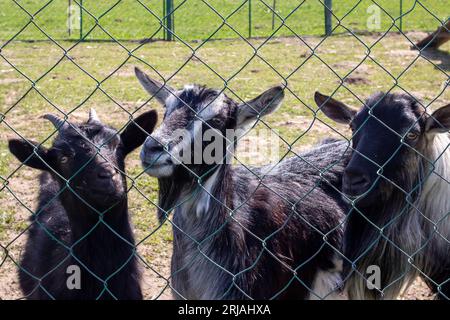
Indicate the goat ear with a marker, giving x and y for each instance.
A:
(262, 105)
(30, 153)
(138, 130)
(156, 89)
(334, 109)
(439, 121)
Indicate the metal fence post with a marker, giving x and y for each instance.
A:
(81, 20)
(274, 8)
(69, 18)
(401, 15)
(328, 9)
(164, 18)
(249, 18)
(168, 18)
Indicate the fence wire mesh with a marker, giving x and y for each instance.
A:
(371, 47)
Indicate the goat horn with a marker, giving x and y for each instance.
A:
(93, 117)
(59, 123)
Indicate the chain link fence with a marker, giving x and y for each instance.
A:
(66, 57)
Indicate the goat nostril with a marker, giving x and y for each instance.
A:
(156, 148)
(360, 180)
(105, 174)
(356, 179)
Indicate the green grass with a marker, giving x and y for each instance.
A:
(67, 87)
(130, 19)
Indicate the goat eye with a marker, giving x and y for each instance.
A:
(411, 136)
(64, 159)
(83, 144)
(351, 126)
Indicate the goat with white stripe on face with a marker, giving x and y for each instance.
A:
(241, 233)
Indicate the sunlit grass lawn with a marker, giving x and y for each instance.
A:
(195, 19)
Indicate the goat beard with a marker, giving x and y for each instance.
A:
(171, 189)
(168, 193)
(385, 235)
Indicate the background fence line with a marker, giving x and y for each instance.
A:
(260, 15)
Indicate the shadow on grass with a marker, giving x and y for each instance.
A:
(440, 58)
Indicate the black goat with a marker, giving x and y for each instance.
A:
(81, 223)
(240, 233)
(399, 181)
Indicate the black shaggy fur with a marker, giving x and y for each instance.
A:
(398, 179)
(291, 213)
(84, 221)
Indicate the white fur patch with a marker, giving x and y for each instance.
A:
(204, 200)
(188, 87)
(212, 108)
(434, 202)
(326, 286)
